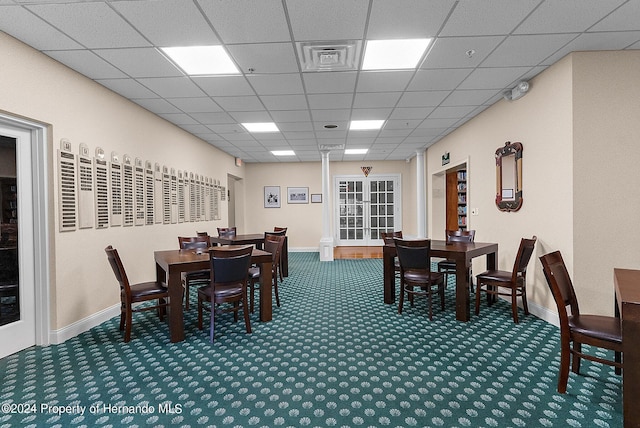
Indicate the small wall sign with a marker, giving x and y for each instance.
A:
(445, 158)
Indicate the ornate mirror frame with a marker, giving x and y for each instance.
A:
(509, 177)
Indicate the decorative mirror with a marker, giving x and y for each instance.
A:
(509, 177)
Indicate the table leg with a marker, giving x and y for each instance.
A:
(463, 312)
(176, 317)
(388, 275)
(266, 287)
(284, 258)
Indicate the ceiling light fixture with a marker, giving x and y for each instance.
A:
(518, 92)
(394, 54)
(358, 125)
(283, 152)
(355, 151)
(202, 60)
(261, 127)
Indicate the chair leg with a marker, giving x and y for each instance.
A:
(514, 305)
(429, 300)
(275, 290)
(127, 324)
(212, 322)
(618, 359)
(401, 302)
(478, 298)
(575, 364)
(247, 321)
(186, 295)
(161, 309)
(236, 307)
(200, 303)
(565, 354)
(122, 315)
(441, 292)
(524, 301)
(252, 289)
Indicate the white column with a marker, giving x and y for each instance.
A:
(421, 196)
(326, 242)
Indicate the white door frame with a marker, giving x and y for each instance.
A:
(37, 240)
(397, 202)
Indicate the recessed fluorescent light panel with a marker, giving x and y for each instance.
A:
(199, 60)
(283, 152)
(365, 124)
(261, 127)
(355, 151)
(393, 54)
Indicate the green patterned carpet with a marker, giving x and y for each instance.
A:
(334, 355)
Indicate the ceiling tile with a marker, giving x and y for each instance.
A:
(453, 52)
(371, 113)
(407, 19)
(330, 101)
(265, 58)
(331, 115)
(596, 41)
(438, 79)
(276, 84)
(179, 118)
(411, 112)
(157, 105)
(251, 116)
(330, 82)
(87, 63)
(284, 102)
(168, 23)
(422, 98)
(128, 88)
(140, 62)
(450, 112)
(526, 50)
(247, 21)
(330, 20)
(224, 129)
(473, 97)
(384, 81)
(172, 87)
(291, 116)
(212, 118)
(223, 86)
(493, 78)
(247, 103)
(196, 105)
(27, 27)
(94, 25)
(625, 18)
(474, 18)
(376, 99)
(291, 127)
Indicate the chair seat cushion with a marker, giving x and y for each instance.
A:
(198, 275)
(597, 326)
(254, 272)
(447, 266)
(422, 275)
(221, 291)
(495, 275)
(145, 289)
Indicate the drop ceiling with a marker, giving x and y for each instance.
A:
(480, 49)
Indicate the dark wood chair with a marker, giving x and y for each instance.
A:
(416, 277)
(516, 281)
(280, 231)
(272, 244)
(448, 267)
(228, 285)
(200, 243)
(227, 231)
(388, 237)
(131, 294)
(595, 330)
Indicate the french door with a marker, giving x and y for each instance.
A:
(366, 206)
(17, 301)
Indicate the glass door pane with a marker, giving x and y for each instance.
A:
(9, 285)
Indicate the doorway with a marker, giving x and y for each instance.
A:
(24, 306)
(449, 199)
(366, 206)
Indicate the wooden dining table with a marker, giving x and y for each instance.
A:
(256, 239)
(171, 263)
(461, 252)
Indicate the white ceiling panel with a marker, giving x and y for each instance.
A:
(265, 58)
(94, 24)
(168, 22)
(140, 62)
(480, 49)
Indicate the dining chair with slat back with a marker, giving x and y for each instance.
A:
(388, 237)
(448, 266)
(227, 291)
(272, 244)
(576, 328)
(131, 294)
(279, 231)
(227, 231)
(198, 243)
(416, 277)
(516, 280)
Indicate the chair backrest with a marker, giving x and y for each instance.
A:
(460, 235)
(227, 231)
(275, 233)
(118, 270)
(273, 244)
(202, 233)
(280, 229)
(194, 242)
(413, 254)
(522, 258)
(387, 237)
(561, 286)
(230, 266)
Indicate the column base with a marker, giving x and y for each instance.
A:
(326, 250)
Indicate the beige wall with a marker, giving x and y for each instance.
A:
(606, 153)
(34, 86)
(304, 221)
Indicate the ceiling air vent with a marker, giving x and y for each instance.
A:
(329, 56)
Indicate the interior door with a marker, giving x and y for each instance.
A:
(366, 206)
(17, 280)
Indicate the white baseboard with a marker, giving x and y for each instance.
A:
(539, 311)
(72, 330)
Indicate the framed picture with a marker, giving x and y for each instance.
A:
(298, 195)
(316, 198)
(272, 196)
